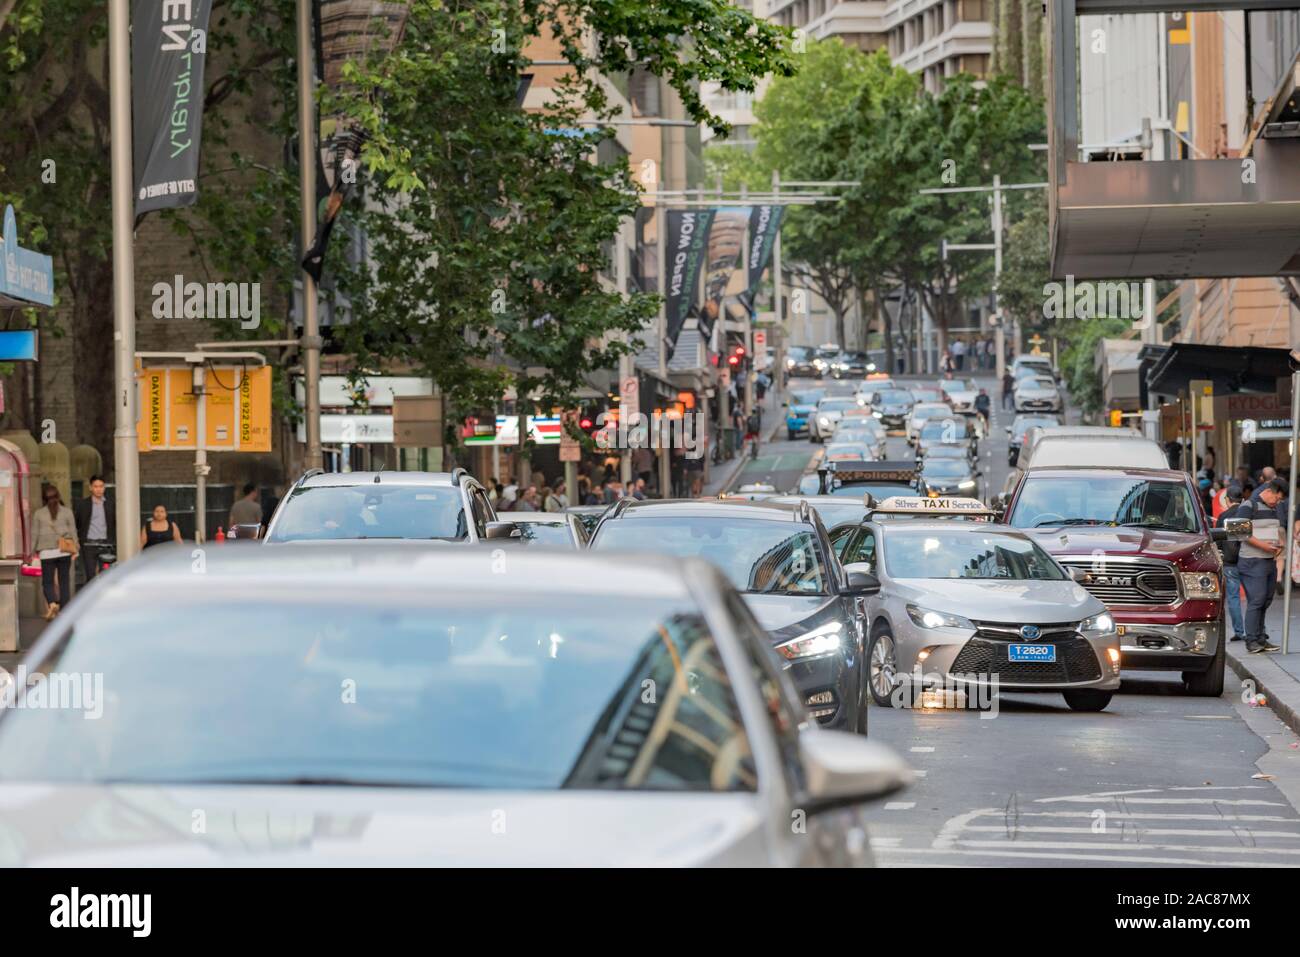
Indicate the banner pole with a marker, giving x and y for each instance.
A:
(126, 454)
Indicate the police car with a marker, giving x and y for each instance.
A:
(881, 479)
(969, 604)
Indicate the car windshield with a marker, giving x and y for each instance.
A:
(317, 512)
(923, 412)
(847, 451)
(1105, 500)
(944, 430)
(759, 556)
(933, 553)
(835, 405)
(1024, 423)
(945, 468)
(893, 397)
(805, 398)
(800, 352)
(397, 688)
(1039, 383)
(546, 533)
(855, 434)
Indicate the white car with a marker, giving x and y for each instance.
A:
(864, 429)
(822, 423)
(840, 450)
(1037, 394)
(398, 705)
(1037, 363)
(923, 411)
(961, 394)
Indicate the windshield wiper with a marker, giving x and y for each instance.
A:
(1164, 526)
(1072, 521)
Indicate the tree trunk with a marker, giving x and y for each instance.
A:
(92, 343)
(886, 327)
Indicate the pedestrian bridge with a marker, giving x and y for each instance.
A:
(1171, 219)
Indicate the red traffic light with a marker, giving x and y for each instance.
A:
(740, 350)
(585, 424)
(733, 360)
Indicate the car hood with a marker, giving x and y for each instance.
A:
(958, 395)
(1013, 602)
(287, 826)
(1036, 391)
(1137, 542)
(802, 409)
(789, 616)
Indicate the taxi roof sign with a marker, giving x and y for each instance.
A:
(918, 505)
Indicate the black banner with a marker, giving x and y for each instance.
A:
(726, 243)
(687, 233)
(764, 224)
(168, 52)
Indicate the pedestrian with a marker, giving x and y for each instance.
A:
(761, 382)
(550, 501)
(945, 363)
(1008, 390)
(638, 490)
(959, 355)
(643, 462)
(595, 495)
(96, 527)
(1257, 561)
(54, 542)
(693, 469)
(562, 494)
(982, 406)
(493, 490)
(248, 510)
(528, 501)
(508, 498)
(1244, 480)
(159, 529)
(1230, 551)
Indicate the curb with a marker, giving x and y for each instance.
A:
(1273, 681)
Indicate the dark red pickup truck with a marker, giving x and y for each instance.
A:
(1139, 540)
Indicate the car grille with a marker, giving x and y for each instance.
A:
(1138, 582)
(986, 654)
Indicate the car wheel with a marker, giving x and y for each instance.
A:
(1208, 683)
(1087, 699)
(882, 668)
(793, 434)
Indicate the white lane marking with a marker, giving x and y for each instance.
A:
(886, 841)
(900, 805)
(921, 750)
(1235, 802)
(919, 774)
(1168, 831)
(1122, 816)
(1108, 858)
(1107, 846)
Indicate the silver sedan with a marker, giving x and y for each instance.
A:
(974, 605)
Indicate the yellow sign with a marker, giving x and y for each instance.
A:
(237, 409)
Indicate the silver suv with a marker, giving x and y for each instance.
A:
(438, 506)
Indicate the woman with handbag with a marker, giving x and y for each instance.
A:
(54, 539)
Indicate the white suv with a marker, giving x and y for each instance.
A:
(422, 506)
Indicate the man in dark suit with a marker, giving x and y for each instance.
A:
(96, 526)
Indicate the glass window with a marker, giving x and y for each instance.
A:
(546, 533)
(944, 430)
(1103, 500)
(371, 511)
(933, 553)
(763, 557)
(474, 692)
(863, 549)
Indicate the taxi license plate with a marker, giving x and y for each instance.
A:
(1045, 653)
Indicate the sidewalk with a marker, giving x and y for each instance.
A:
(29, 629)
(723, 475)
(1276, 676)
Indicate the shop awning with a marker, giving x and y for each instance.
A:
(1231, 368)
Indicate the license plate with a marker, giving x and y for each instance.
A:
(1031, 653)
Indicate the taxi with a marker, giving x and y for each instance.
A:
(968, 603)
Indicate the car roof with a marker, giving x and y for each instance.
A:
(954, 523)
(306, 571)
(536, 518)
(1107, 471)
(346, 479)
(922, 406)
(766, 509)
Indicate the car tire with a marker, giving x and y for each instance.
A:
(1087, 699)
(1208, 683)
(881, 651)
(793, 434)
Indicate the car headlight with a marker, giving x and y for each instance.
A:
(824, 420)
(925, 618)
(969, 483)
(820, 641)
(876, 414)
(1201, 584)
(1101, 624)
(789, 363)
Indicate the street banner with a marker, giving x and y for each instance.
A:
(687, 235)
(764, 224)
(726, 243)
(168, 53)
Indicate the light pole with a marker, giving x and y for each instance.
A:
(996, 248)
(126, 453)
(311, 340)
(1290, 501)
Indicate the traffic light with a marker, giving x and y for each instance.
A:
(1116, 418)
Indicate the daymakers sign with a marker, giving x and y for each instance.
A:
(168, 53)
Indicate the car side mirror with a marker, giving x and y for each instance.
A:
(1079, 575)
(1008, 430)
(503, 530)
(842, 768)
(863, 582)
(1234, 529)
(244, 533)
